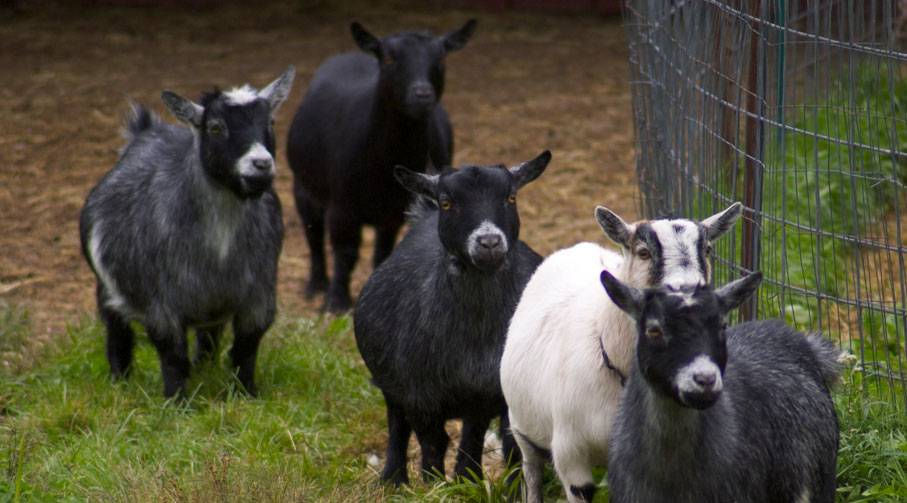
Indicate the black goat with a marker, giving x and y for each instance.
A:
(186, 229)
(430, 322)
(363, 114)
(713, 415)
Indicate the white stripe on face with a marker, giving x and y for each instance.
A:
(257, 152)
(679, 240)
(702, 368)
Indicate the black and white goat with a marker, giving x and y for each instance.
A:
(430, 322)
(569, 347)
(186, 229)
(711, 414)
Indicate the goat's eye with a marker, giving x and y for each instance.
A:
(388, 59)
(708, 250)
(215, 128)
(644, 254)
(512, 198)
(654, 332)
(445, 205)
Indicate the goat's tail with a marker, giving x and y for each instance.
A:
(829, 359)
(141, 119)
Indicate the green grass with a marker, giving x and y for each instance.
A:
(67, 433)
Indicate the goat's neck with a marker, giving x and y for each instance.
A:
(219, 209)
(390, 126)
(669, 430)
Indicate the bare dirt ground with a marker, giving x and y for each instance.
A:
(526, 82)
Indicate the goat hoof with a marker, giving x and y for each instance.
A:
(314, 287)
(336, 305)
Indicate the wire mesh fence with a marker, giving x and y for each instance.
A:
(799, 110)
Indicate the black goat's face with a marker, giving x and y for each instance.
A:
(235, 133)
(681, 347)
(411, 65)
(477, 221)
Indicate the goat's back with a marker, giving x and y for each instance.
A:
(161, 235)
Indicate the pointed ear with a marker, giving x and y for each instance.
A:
(529, 171)
(277, 91)
(734, 293)
(615, 228)
(418, 183)
(719, 223)
(628, 299)
(184, 109)
(457, 39)
(365, 40)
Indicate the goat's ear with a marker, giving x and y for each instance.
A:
(719, 223)
(530, 170)
(184, 109)
(734, 293)
(627, 298)
(277, 91)
(418, 183)
(457, 39)
(365, 40)
(615, 228)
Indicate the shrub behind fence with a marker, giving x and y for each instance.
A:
(798, 109)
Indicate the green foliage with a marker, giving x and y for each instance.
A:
(69, 434)
(838, 182)
(872, 458)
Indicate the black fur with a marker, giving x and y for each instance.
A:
(430, 322)
(363, 114)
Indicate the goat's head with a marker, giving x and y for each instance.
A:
(667, 252)
(411, 65)
(681, 349)
(478, 222)
(235, 131)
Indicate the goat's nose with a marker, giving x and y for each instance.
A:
(262, 164)
(490, 241)
(704, 379)
(423, 91)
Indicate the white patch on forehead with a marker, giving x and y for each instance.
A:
(686, 297)
(484, 229)
(679, 246)
(702, 365)
(241, 95)
(257, 152)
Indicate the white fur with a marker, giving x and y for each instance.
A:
(485, 228)
(561, 395)
(257, 152)
(685, 380)
(115, 299)
(681, 264)
(241, 95)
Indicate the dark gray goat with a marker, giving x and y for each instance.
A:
(430, 322)
(713, 415)
(186, 229)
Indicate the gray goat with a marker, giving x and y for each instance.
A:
(717, 415)
(186, 229)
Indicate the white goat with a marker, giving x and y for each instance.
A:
(569, 347)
